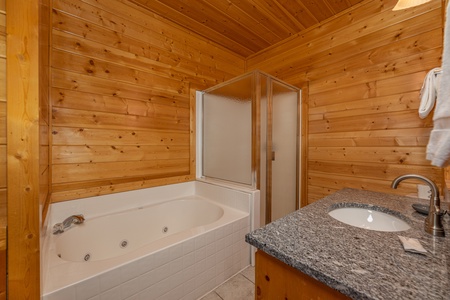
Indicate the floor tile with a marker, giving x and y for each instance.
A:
(249, 273)
(211, 296)
(237, 288)
(240, 287)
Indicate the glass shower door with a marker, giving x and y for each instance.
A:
(282, 147)
(228, 132)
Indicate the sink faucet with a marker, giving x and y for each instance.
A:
(433, 222)
(61, 227)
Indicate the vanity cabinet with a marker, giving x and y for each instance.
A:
(276, 280)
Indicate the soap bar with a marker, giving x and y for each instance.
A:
(421, 208)
(412, 245)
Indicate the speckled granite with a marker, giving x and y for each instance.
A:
(360, 263)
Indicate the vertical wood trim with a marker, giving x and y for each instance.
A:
(44, 94)
(269, 150)
(304, 145)
(3, 187)
(256, 130)
(23, 148)
(192, 135)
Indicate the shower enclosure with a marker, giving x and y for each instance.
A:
(248, 134)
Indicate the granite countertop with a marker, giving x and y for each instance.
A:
(360, 263)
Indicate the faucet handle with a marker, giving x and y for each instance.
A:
(58, 228)
(78, 219)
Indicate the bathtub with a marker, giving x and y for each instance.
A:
(180, 247)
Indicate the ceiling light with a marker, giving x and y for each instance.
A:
(403, 4)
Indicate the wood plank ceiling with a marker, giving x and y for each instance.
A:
(246, 26)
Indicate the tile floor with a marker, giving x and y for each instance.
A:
(239, 287)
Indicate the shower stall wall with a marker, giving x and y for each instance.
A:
(248, 131)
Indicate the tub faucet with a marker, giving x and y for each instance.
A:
(433, 222)
(61, 227)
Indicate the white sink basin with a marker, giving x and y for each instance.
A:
(369, 219)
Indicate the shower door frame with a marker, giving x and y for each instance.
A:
(256, 138)
(269, 147)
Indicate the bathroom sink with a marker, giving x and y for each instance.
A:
(368, 218)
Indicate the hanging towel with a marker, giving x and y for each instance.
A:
(429, 92)
(438, 149)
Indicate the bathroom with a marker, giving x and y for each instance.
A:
(360, 73)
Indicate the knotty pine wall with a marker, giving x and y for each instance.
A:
(122, 97)
(2, 149)
(44, 120)
(27, 43)
(44, 105)
(363, 71)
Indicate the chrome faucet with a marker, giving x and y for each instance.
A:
(433, 222)
(61, 227)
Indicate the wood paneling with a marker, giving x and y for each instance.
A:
(447, 177)
(245, 27)
(115, 111)
(44, 107)
(3, 219)
(23, 165)
(122, 114)
(364, 71)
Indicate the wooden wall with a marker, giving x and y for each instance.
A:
(44, 105)
(23, 148)
(44, 123)
(2, 149)
(122, 83)
(363, 70)
(120, 104)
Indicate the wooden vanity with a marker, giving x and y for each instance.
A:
(276, 280)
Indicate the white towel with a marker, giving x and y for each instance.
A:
(438, 149)
(429, 92)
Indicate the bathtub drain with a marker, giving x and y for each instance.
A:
(87, 257)
(165, 229)
(123, 244)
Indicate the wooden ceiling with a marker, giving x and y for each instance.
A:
(246, 26)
